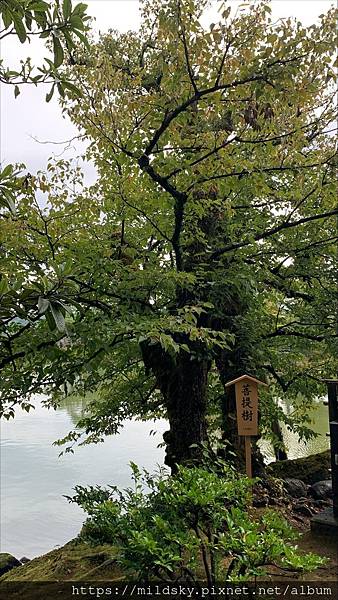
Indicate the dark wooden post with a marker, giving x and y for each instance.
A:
(334, 464)
(332, 395)
(326, 522)
(332, 392)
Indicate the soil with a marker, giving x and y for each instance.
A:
(324, 546)
(298, 512)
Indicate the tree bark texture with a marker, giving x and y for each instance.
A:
(182, 380)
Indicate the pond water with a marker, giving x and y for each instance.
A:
(295, 447)
(35, 517)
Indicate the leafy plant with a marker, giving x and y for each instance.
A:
(62, 27)
(194, 526)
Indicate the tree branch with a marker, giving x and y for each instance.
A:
(273, 231)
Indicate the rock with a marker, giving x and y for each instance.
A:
(261, 502)
(8, 562)
(295, 487)
(303, 510)
(24, 560)
(321, 490)
(309, 469)
(319, 503)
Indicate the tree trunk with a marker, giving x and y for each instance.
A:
(183, 384)
(280, 451)
(186, 405)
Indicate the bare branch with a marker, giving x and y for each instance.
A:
(273, 231)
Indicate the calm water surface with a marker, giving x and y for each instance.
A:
(297, 448)
(34, 515)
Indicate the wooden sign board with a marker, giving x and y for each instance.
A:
(246, 390)
(247, 407)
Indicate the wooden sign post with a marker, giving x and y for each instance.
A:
(246, 391)
(332, 392)
(326, 522)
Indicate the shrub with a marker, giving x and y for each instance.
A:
(194, 526)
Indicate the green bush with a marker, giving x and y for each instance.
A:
(193, 526)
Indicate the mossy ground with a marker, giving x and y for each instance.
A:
(76, 561)
(80, 561)
(309, 468)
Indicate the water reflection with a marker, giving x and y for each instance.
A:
(295, 447)
(320, 424)
(75, 407)
(35, 515)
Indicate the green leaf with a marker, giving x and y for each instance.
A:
(4, 287)
(70, 86)
(7, 199)
(43, 305)
(6, 172)
(80, 9)
(50, 320)
(41, 19)
(76, 22)
(36, 78)
(16, 91)
(38, 6)
(49, 96)
(29, 20)
(68, 39)
(83, 38)
(61, 90)
(19, 28)
(67, 8)
(58, 318)
(58, 52)
(7, 18)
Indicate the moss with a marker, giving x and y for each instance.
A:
(4, 558)
(309, 469)
(7, 562)
(73, 562)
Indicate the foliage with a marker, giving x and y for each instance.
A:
(54, 22)
(206, 248)
(194, 526)
(10, 184)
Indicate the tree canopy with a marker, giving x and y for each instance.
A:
(207, 246)
(53, 23)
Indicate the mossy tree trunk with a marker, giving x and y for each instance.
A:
(182, 380)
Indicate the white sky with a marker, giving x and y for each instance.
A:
(29, 116)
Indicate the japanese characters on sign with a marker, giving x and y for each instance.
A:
(247, 406)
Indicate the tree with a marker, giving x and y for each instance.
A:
(208, 245)
(27, 19)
